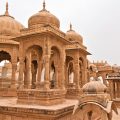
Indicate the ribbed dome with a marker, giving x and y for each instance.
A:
(94, 87)
(8, 25)
(73, 36)
(42, 18)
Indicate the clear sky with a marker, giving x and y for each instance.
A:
(98, 21)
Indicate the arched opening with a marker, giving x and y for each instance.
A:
(33, 66)
(5, 56)
(93, 111)
(54, 66)
(69, 71)
(5, 69)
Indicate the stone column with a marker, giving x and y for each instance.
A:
(117, 89)
(14, 70)
(47, 72)
(21, 65)
(34, 69)
(114, 90)
(21, 71)
(59, 77)
(56, 77)
(111, 89)
(25, 74)
(28, 67)
(76, 72)
(83, 75)
(84, 71)
(66, 76)
(62, 69)
(39, 74)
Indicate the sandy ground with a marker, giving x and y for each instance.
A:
(116, 117)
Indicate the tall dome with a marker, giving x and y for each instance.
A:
(8, 25)
(74, 36)
(43, 17)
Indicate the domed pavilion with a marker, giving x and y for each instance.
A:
(9, 48)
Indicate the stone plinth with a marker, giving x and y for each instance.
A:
(73, 93)
(11, 110)
(41, 97)
(8, 92)
(5, 82)
(117, 102)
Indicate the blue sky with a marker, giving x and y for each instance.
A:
(98, 21)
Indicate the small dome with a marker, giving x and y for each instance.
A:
(107, 65)
(92, 67)
(73, 36)
(42, 18)
(94, 87)
(8, 25)
(115, 66)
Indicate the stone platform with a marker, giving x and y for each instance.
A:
(73, 93)
(8, 92)
(41, 97)
(117, 102)
(10, 110)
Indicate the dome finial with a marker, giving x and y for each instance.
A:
(44, 5)
(70, 26)
(6, 12)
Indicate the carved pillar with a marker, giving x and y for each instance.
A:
(111, 89)
(76, 71)
(14, 70)
(34, 68)
(83, 76)
(66, 76)
(62, 69)
(25, 74)
(56, 77)
(85, 72)
(117, 89)
(14, 67)
(21, 66)
(28, 67)
(47, 72)
(59, 77)
(39, 74)
(114, 90)
(21, 71)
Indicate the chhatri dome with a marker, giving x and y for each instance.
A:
(74, 36)
(43, 17)
(8, 25)
(94, 87)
